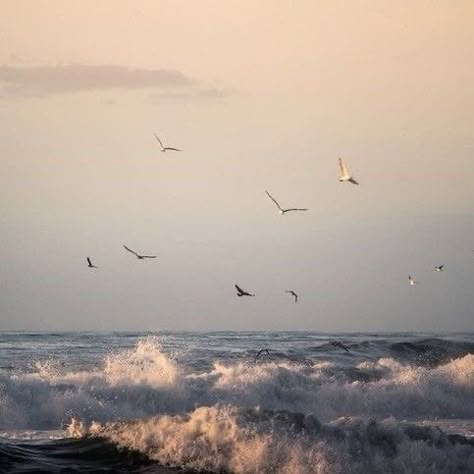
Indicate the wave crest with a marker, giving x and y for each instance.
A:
(229, 439)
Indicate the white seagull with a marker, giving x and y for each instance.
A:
(165, 148)
(344, 173)
(89, 263)
(412, 281)
(439, 268)
(281, 210)
(291, 292)
(140, 257)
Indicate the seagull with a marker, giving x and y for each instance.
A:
(345, 175)
(241, 292)
(293, 293)
(261, 351)
(412, 281)
(140, 257)
(340, 344)
(439, 268)
(90, 264)
(282, 211)
(164, 148)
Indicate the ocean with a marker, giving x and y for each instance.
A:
(201, 402)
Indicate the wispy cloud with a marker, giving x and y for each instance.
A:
(47, 80)
(192, 94)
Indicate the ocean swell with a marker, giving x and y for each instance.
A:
(144, 381)
(229, 439)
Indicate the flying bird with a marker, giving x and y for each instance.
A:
(340, 344)
(259, 353)
(165, 148)
(291, 292)
(344, 173)
(90, 264)
(281, 210)
(140, 257)
(439, 268)
(241, 292)
(412, 281)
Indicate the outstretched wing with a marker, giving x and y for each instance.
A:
(89, 261)
(148, 256)
(173, 149)
(295, 209)
(274, 200)
(159, 141)
(130, 250)
(343, 168)
(239, 289)
(353, 181)
(259, 353)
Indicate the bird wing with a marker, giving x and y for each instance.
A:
(89, 261)
(274, 200)
(169, 148)
(441, 267)
(148, 256)
(295, 209)
(159, 141)
(130, 250)
(353, 181)
(239, 289)
(343, 168)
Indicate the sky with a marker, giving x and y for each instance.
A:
(258, 96)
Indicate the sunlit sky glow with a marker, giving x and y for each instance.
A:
(258, 95)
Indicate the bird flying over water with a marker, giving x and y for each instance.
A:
(412, 281)
(344, 173)
(340, 344)
(281, 210)
(241, 292)
(261, 351)
(291, 292)
(140, 257)
(90, 264)
(165, 148)
(439, 268)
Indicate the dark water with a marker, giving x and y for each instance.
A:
(136, 402)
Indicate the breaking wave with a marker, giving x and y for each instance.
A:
(246, 416)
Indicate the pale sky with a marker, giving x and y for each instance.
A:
(258, 95)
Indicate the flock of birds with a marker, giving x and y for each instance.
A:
(344, 176)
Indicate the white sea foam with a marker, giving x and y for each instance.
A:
(144, 381)
(225, 438)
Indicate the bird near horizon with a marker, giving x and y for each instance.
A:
(341, 345)
(291, 292)
(439, 268)
(281, 210)
(165, 148)
(344, 173)
(241, 292)
(140, 257)
(90, 264)
(412, 281)
(261, 351)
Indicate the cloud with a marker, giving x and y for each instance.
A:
(60, 79)
(196, 93)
